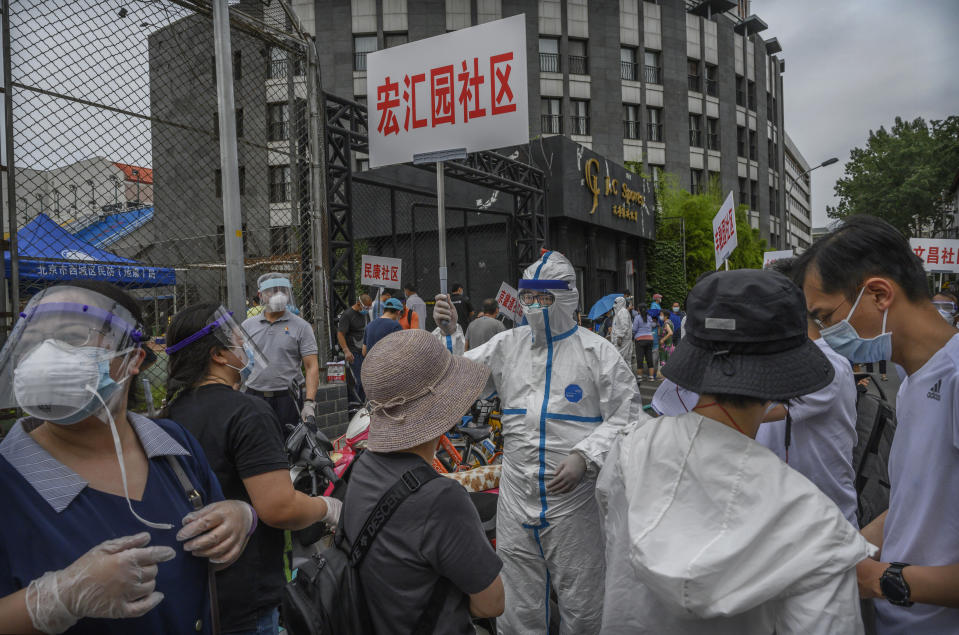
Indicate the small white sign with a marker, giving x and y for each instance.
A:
(769, 257)
(508, 300)
(465, 89)
(938, 255)
(382, 272)
(725, 238)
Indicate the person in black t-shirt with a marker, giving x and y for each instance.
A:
(240, 434)
(464, 310)
(417, 392)
(349, 334)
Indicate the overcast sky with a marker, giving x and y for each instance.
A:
(854, 65)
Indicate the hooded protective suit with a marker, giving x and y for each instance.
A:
(708, 532)
(455, 343)
(622, 331)
(562, 389)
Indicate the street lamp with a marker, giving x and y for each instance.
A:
(789, 189)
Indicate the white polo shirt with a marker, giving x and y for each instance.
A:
(823, 435)
(922, 527)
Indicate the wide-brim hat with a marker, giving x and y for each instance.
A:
(746, 334)
(416, 389)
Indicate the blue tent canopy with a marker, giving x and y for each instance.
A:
(113, 227)
(49, 253)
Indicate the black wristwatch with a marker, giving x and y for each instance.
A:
(894, 587)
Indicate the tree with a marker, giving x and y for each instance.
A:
(697, 210)
(901, 175)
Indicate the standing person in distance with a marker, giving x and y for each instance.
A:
(382, 326)
(868, 294)
(643, 325)
(288, 341)
(415, 303)
(676, 316)
(209, 355)
(349, 333)
(621, 333)
(463, 307)
(408, 319)
(376, 310)
(485, 326)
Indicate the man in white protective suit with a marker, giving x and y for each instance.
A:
(707, 531)
(622, 331)
(565, 394)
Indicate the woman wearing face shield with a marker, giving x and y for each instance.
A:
(210, 357)
(100, 534)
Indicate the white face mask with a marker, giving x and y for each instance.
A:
(278, 302)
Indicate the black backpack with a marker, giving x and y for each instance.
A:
(875, 429)
(326, 597)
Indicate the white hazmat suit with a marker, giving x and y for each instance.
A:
(563, 390)
(622, 330)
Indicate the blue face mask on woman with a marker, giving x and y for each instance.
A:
(843, 338)
(247, 369)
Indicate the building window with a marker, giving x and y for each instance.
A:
(630, 121)
(551, 118)
(771, 148)
(712, 80)
(741, 142)
(692, 73)
(279, 183)
(712, 133)
(772, 201)
(696, 181)
(278, 117)
(652, 69)
(740, 91)
(219, 182)
(654, 125)
(362, 44)
(696, 131)
(395, 39)
(362, 165)
(753, 153)
(276, 67)
(281, 240)
(579, 119)
(577, 57)
(751, 94)
(743, 193)
(753, 195)
(627, 63)
(549, 55)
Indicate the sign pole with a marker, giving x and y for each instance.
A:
(726, 263)
(441, 220)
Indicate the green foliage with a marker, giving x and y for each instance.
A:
(698, 211)
(901, 175)
(666, 271)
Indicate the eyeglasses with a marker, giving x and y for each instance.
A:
(825, 321)
(527, 297)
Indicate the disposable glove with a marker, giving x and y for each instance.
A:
(309, 410)
(569, 474)
(333, 508)
(116, 579)
(444, 312)
(218, 531)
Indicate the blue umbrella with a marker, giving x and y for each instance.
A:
(604, 304)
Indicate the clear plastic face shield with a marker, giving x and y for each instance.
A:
(232, 337)
(276, 294)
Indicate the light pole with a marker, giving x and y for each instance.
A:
(74, 189)
(116, 192)
(93, 198)
(56, 197)
(789, 189)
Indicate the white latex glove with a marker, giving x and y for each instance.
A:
(116, 579)
(333, 508)
(444, 312)
(218, 531)
(569, 474)
(309, 410)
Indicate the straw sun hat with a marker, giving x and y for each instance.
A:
(416, 389)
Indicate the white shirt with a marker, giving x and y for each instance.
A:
(823, 435)
(707, 532)
(922, 527)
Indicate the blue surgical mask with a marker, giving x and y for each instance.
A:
(843, 338)
(247, 369)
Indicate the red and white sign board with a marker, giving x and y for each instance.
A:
(769, 257)
(465, 89)
(508, 300)
(725, 238)
(938, 255)
(382, 272)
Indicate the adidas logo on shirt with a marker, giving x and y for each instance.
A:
(934, 391)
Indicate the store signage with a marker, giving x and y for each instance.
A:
(508, 300)
(938, 255)
(769, 257)
(381, 272)
(725, 238)
(631, 199)
(465, 89)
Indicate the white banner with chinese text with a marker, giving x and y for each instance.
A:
(382, 272)
(938, 255)
(725, 238)
(769, 257)
(465, 89)
(508, 301)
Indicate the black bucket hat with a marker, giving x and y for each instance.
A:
(746, 334)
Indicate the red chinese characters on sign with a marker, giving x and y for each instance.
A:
(382, 273)
(447, 90)
(725, 231)
(937, 254)
(948, 256)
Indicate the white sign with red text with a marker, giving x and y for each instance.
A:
(508, 300)
(465, 89)
(382, 272)
(769, 257)
(938, 255)
(725, 238)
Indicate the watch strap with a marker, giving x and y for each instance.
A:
(894, 570)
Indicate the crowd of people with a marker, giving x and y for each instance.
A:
(730, 508)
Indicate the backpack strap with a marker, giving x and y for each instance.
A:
(431, 614)
(411, 481)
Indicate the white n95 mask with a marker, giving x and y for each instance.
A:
(278, 302)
